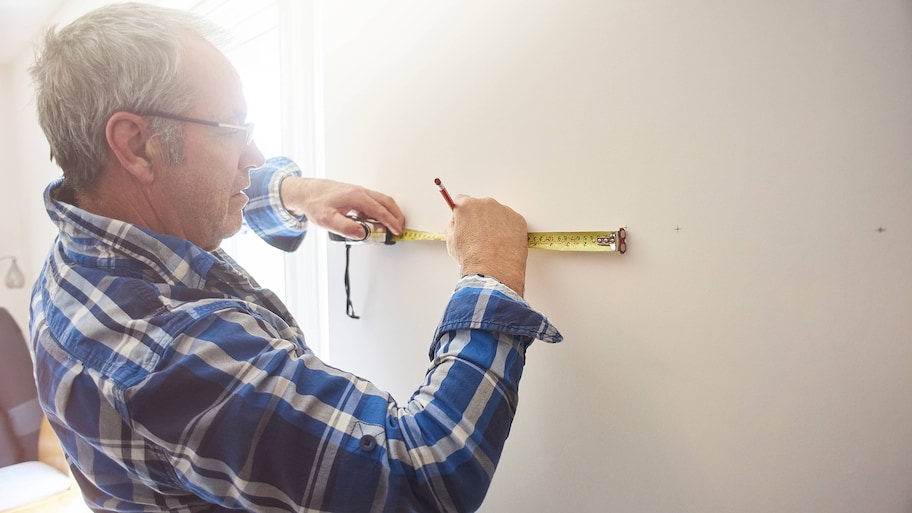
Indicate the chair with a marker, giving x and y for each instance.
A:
(19, 409)
(34, 476)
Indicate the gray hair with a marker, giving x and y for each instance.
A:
(121, 57)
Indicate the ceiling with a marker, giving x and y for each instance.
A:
(20, 22)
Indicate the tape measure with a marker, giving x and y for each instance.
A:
(557, 241)
(605, 241)
(376, 233)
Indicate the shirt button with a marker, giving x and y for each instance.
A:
(368, 443)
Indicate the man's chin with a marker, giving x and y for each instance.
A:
(229, 229)
(233, 227)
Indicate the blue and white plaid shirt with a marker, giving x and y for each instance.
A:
(176, 383)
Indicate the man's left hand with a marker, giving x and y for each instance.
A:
(327, 204)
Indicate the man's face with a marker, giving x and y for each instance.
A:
(203, 192)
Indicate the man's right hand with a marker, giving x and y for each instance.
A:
(486, 237)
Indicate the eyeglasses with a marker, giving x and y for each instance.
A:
(247, 128)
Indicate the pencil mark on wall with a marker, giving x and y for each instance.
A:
(880, 229)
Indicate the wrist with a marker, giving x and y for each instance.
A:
(291, 191)
(514, 279)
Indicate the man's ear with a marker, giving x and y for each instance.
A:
(130, 141)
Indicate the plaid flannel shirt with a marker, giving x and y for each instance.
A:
(176, 383)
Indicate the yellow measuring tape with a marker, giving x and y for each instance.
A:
(376, 233)
(557, 241)
(606, 241)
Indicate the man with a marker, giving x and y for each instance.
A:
(173, 381)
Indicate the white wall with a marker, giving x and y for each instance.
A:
(27, 231)
(757, 359)
(15, 176)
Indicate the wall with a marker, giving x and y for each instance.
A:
(752, 351)
(26, 226)
(13, 231)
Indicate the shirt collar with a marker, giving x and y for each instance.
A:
(100, 241)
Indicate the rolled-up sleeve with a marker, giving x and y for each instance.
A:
(265, 214)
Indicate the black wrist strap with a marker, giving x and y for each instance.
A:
(349, 309)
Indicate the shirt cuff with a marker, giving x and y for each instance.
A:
(484, 303)
(265, 214)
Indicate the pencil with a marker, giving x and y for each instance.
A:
(444, 193)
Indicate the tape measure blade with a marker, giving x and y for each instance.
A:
(574, 241)
(418, 235)
(605, 241)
